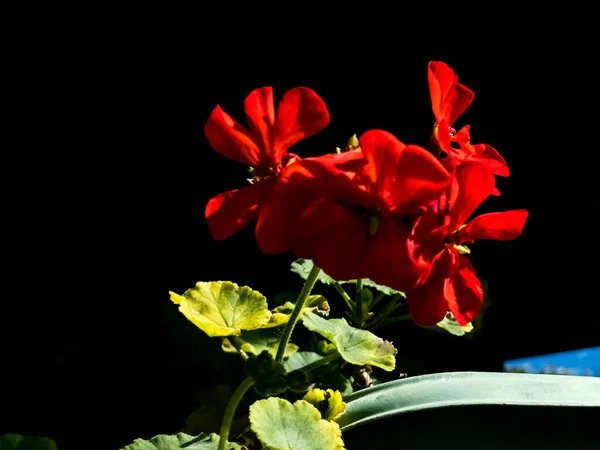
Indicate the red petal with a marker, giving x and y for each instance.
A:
(230, 138)
(442, 136)
(463, 135)
(298, 186)
(387, 261)
(462, 98)
(474, 183)
(489, 156)
(464, 293)
(418, 179)
(260, 113)
(300, 114)
(403, 177)
(449, 98)
(229, 212)
(382, 151)
(427, 303)
(426, 240)
(500, 226)
(335, 238)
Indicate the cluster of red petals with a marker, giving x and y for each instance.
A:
(388, 211)
(301, 113)
(449, 99)
(438, 243)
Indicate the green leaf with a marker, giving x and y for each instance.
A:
(379, 287)
(281, 425)
(326, 347)
(222, 308)
(12, 441)
(303, 267)
(452, 326)
(255, 342)
(181, 441)
(300, 360)
(328, 402)
(335, 380)
(359, 347)
(281, 314)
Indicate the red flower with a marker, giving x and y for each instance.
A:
(352, 213)
(449, 99)
(301, 113)
(438, 240)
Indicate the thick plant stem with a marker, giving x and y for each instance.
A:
(234, 401)
(289, 326)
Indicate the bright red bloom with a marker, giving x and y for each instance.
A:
(352, 213)
(301, 113)
(437, 242)
(449, 99)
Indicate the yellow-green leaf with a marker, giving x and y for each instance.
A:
(328, 402)
(281, 425)
(222, 308)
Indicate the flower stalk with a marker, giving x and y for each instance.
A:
(291, 323)
(235, 400)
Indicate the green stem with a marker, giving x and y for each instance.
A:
(291, 323)
(376, 300)
(338, 287)
(237, 343)
(358, 313)
(386, 311)
(234, 401)
(391, 320)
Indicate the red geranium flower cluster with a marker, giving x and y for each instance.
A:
(383, 210)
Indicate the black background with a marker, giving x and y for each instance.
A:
(107, 181)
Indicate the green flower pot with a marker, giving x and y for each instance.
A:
(476, 410)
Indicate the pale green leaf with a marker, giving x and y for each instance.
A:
(181, 441)
(281, 425)
(222, 308)
(359, 347)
